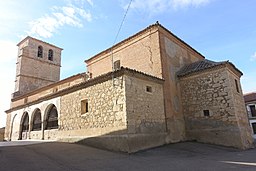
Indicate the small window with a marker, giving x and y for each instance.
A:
(254, 127)
(237, 87)
(117, 65)
(40, 52)
(50, 55)
(84, 106)
(149, 89)
(206, 113)
(253, 110)
(54, 90)
(25, 99)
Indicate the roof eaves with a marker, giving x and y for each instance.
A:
(29, 37)
(198, 67)
(139, 33)
(121, 42)
(181, 40)
(91, 82)
(48, 86)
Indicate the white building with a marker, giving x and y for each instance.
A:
(250, 103)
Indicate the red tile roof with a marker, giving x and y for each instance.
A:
(250, 97)
(202, 65)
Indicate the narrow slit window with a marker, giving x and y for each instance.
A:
(84, 106)
(237, 87)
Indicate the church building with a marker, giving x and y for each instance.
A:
(148, 90)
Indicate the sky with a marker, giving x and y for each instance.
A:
(220, 30)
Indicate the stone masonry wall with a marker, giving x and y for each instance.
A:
(121, 116)
(106, 113)
(145, 114)
(240, 111)
(213, 91)
(145, 110)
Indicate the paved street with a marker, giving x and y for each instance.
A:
(55, 156)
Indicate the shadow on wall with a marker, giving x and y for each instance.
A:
(122, 141)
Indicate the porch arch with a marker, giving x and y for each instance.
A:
(24, 126)
(36, 121)
(51, 117)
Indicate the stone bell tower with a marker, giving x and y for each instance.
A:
(38, 64)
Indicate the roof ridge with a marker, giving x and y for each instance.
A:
(29, 37)
(157, 24)
(198, 66)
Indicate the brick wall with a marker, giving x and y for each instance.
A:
(140, 53)
(174, 55)
(33, 72)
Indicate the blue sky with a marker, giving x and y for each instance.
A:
(220, 30)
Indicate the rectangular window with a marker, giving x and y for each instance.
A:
(253, 110)
(149, 89)
(206, 113)
(254, 127)
(117, 65)
(84, 106)
(237, 87)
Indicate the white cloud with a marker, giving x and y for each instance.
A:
(8, 56)
(90, 2)
(8, 51)
(253, 57)
(160, 6)
(80, 2)
(187, 3)
(61, 16)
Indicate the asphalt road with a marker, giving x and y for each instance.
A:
(55, 156)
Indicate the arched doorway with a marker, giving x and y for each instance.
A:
(52, 118)
(24, 131)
